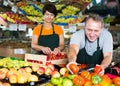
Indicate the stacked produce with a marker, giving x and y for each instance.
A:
(84, 78)
(25, 73)
(49, 74)
(15, 18)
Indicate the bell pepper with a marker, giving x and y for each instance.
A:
(96, 79)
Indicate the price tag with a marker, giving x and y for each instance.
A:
(72, 28)
(5, 3)
(13, 27)
(22, 27)
(14, 9)
(3, 27)
(19, 51)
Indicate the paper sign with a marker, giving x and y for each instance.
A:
(72, 28)
(22, 27)
(19, 51)
(14, 9)
(13, 27)
(5, 3)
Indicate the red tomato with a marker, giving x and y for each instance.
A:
(78, 80)
(88, 83)
(116, 81)
(97, 69)
(74, 68)
(85, 74)
(82, 66)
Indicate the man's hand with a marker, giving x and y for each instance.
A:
(73, 68)
(98, 69)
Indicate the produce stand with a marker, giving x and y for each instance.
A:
(31, 20)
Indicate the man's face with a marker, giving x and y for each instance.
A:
(48, 17)
(93, 29)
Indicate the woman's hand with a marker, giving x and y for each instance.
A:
(56, 51)
(46, 50)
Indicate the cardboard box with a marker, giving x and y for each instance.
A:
(14, 52)
(42, 59)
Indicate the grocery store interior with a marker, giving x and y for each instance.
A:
(19, 17)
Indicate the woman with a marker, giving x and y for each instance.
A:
(48, 37)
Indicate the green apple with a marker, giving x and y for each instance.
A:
(56, 81)
(112, 85)
(67, 82)
(71, 76)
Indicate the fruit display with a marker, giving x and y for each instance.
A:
(108, 19)
(85, 78)
(50, 75)
(30, 10)
(60, 6)
(25, 74)
(21, 3)
(9, 63)
(15, 18)
(5, 9)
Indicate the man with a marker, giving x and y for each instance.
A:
(92, 45)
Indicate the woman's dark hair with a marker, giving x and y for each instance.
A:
(50, 7)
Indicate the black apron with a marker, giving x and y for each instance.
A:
(84, 58)
(51, 41)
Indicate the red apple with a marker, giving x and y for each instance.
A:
(9, 74)
(48, 71)
(35, 67)
(55, 74)
(50, 65)
(28, 69)
(22, 70)
(13, 78)
(22, 78)
(4, 69)
(2, 74)
(5, 84)
(41, 70)
(32, 78)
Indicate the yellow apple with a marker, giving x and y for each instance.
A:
(35, 67)
(63, 71)
(48, 71)
(28, 69)
(2, 74)
(13, 78)
(55, 74)
(32, 78)
(21, 78)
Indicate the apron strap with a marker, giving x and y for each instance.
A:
(42, 29)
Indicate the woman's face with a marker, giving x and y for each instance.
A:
(48, 17)
(93, 29)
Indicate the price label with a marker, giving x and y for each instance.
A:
(14, 9)
(72, 28)
(13, 27)
(22, 27)
(5, 3)
(19, 51)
